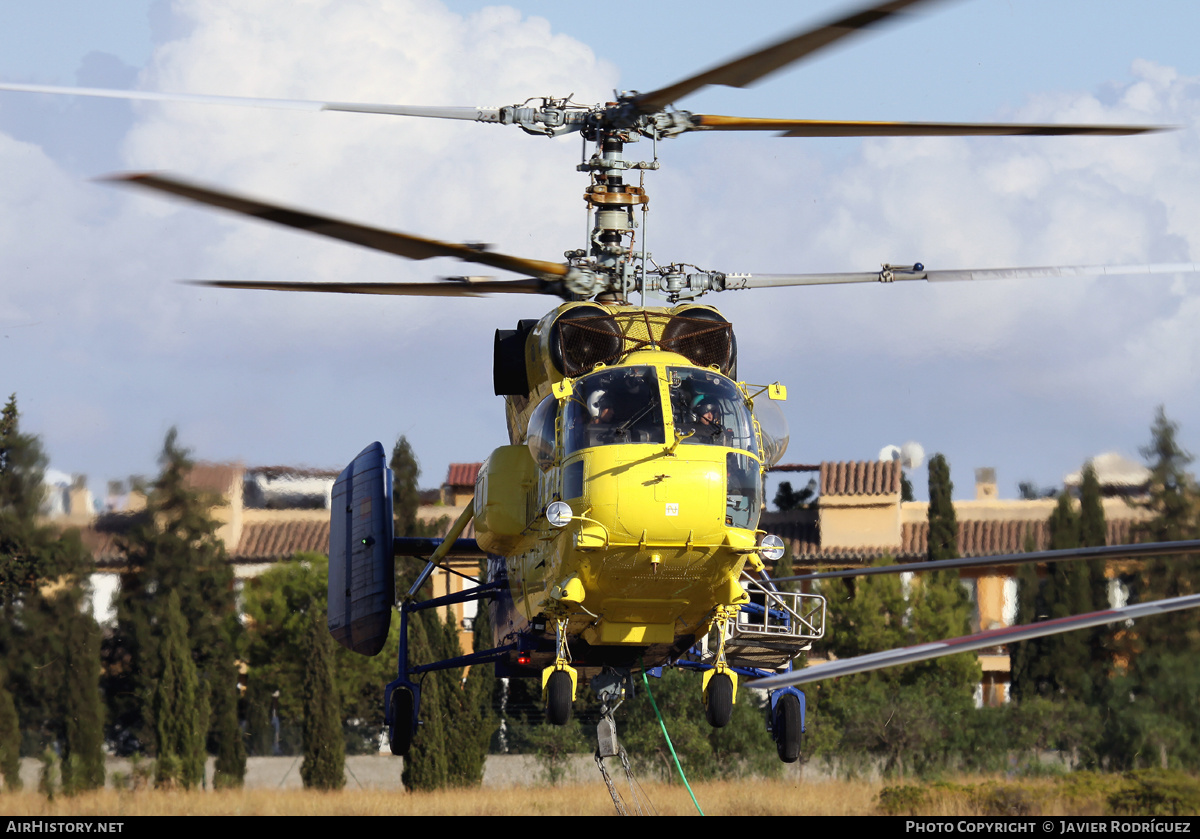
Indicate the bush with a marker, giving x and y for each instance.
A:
(1004, 800)
(903, 800)
(1156, 792)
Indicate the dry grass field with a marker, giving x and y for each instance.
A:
(752, 798)
(746, 798)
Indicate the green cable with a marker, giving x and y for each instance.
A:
(667, 737)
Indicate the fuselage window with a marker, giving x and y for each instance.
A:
(540, 436)
(743, 490)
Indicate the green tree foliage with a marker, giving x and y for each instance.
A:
(787, 498)
(22, 466)
(457, 721)
(473, 720)
(406, 495)
(279, 606)
(427, 766)
(324, 764)
(83, 741)
(943, 524)
(1156, 719)
(1093, 526)
(46, 637)
(1058, 664)
(180, 705)
(916, 718)
(743, 747)
(10, 739)
(172, 548)
(1072, 669)
(225, 735)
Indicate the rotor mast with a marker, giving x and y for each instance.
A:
(610, 204)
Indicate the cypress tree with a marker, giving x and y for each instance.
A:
(10, 738)
(1157, 719)
(1067, 591)
(230, 769)
(180, 706)
(406, 495)
(1072, 666)
(1093, 533)
(43, 577)
(472, 721)
(324, 765)
(1174, 504)
(943, 524)
(172, 548)
(911, 717)
(1093, 527)
(83, 747)
(426, 766)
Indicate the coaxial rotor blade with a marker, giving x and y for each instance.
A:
(1107, 552)
(851, 128)
(389, 241)
(469, 288)
(746, 69)
(978, 641)
(475, 114)
(897, 273)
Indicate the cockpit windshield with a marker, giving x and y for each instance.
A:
(617, 405)
(710, 409)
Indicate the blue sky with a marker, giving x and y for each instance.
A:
(106, 352)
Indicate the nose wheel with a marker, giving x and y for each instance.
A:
(720, 683)
(559, 679)
(718, 700)
(558, 698)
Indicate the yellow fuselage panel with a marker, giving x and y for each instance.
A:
(505, 495)
(640, 494)
(652, 549)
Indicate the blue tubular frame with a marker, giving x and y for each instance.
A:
(774, 696)
(405, 670)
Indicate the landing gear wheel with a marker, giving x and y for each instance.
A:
(786, 726)
(718, 701)
(558, 698)
(400, 732)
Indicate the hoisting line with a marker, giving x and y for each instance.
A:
(670, 746)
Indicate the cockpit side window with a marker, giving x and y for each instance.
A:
(614, 405)
(710, 410)
(540, 435)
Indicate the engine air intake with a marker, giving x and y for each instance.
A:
(581, 341)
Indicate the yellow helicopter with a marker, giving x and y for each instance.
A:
(621, 521)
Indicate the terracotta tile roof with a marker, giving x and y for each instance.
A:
(214, 477)
(103, 535)
(975, 538)
(799, 528)
(988, 538)
(263, 541)
(863, 477)
(462, 474)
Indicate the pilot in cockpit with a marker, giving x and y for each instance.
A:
(707, 426)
